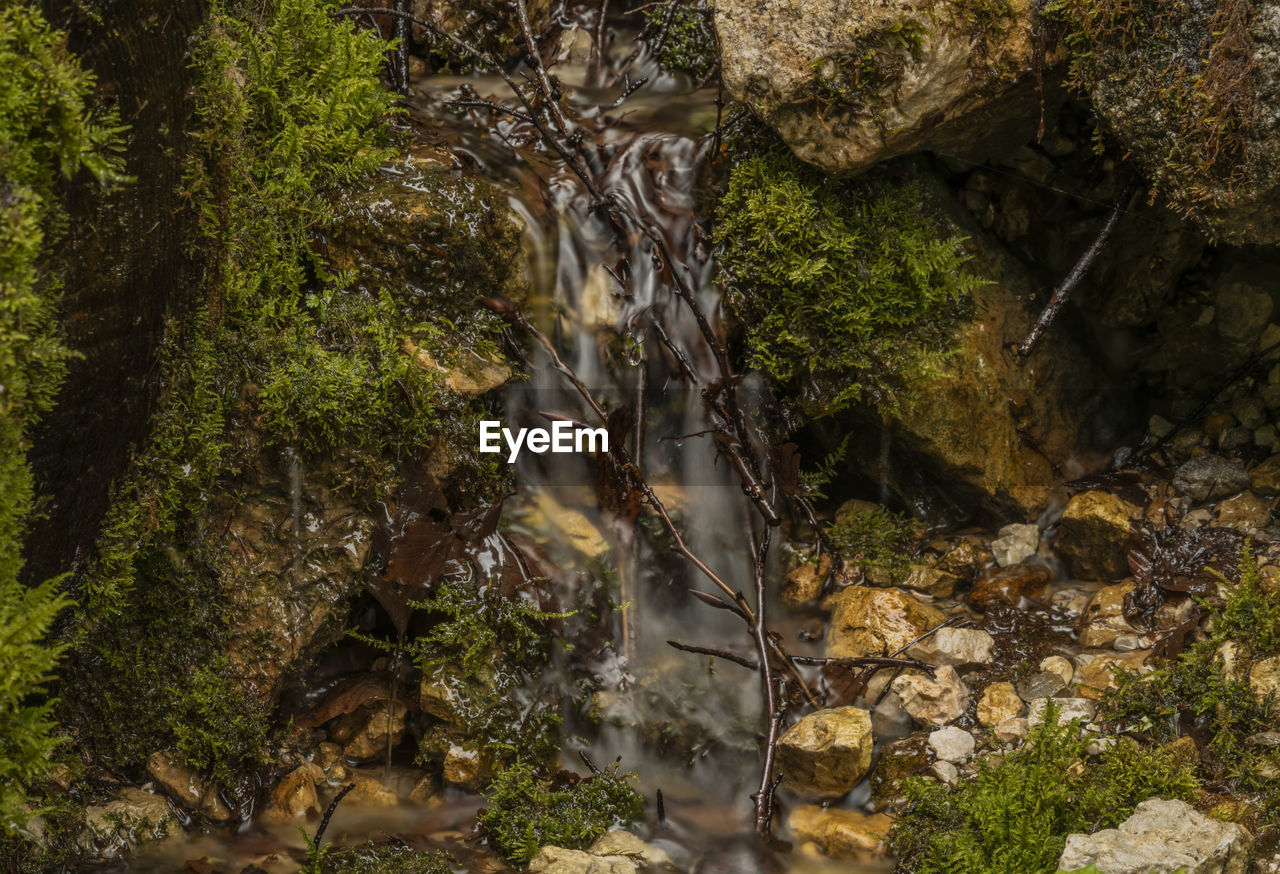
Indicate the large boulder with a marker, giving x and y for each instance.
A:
(1160, 838)
(848, 83)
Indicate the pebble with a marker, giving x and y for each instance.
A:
(952, 744)
(946, 772)
(1015, 544)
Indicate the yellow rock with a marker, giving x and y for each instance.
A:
(841, 834)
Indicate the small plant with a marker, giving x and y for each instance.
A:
(844, 292)
(689, 46)
(389, 858)
(526, 812)
(877, 540)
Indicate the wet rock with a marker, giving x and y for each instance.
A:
(803, 586)
(294, 798)
(947, 772)
(1098, 674)
(620, 842)
(1068, 709)
(329, 758)
(370, 790)
(958, 647)
(1093, 536)
(933, 701)
(840, 834)
(1161, 837)
(1011, 729)
(1245, 512)
(849, 83)
(382, 725)
(1265, 478)
(566, 527)
(1015, 544)
(871, 621)
(999, 702)
(133, 818)
(556, 860)
(1060, 666)
(1103, 619)
(1042, 684)
(952, 744)
(827, 752)
(929, 580)
(899, 761)
(189, 789)
(1006, 587)
(463, 767)
(964, 560)
(1209, 477)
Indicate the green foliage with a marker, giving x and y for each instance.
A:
(858, 78)
(219, 728)
(48, 128)
(689, 46)
(526, 812)
(1015, 815)
(482, 647)
(845, 291)
(391, 858)
(1194, 65)
(876, 540)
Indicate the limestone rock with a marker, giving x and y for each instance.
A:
(1161, 837)
(557, 860)
(1098, 675)
(1208, 477)
(187, 787)
(1060, 667)
(1264, 680)
(848, 83)
(871, 621)
(1265, 478)
(803, 586)
(1244, 512)
(294, 798)
(1011, 729)
(382, 724)
(620, 842)
(1103, 619)
(1068, 709)
(463, 767)
(952, 744)
(132, 818)
(964, 560)
(958, 647)
(1093, 535)
(370, 790)
(933, 701)
(929, 580)
(828, 752)
(1015, 544)
(840, 834)
(999, 701)
(1006, 587)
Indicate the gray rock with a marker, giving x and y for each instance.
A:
(1210, 476)
(933, 701)
(1160, 838)
(952, 744)
(956, 647)
(1015, 544)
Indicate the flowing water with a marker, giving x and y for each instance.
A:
(687, 725)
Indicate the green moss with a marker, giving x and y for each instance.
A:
(526, 813)
(861, 78)
(689, 47)
(844, 292)
(1015, 815)
(876, 540)
(1193, 66)
(48, 129)
(390, 858)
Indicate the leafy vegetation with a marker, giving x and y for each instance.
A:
(689, 46)
(877, 540)
(526, 812)
(1015, 815)
(49, 128)
(1194, 65)
(390, 858)
(845, 292)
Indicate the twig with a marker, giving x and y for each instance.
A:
(328, 812)
(1063, 291)
(715, 653)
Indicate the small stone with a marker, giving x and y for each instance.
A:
(827, 752)
(952, 744)
(1264, 679)
(1218, 424)
(869, 621)
(1068, 709)
(462, 767)
(1130, 642)
(947, 772)
(370, 791)
(1265, 477)
(1235, 439)
(1270, 395)
(188, 788)
(383, 724)
(933, 701)
(1098, 675)
(999, 702)
(1161, 836)
(425, 791)
(1006, 587)
(930, 581)
(293, 798)
(1267, 437)
(1209, 477)
(329, 758)
(1056, 664)
(620, 842)
(1093, 535)
(958, 647)
(840, 834)
(132, 818)
(1249, 411)
(557, 860)
(1104, 617)
(1015, 544)
(964, 560)
(1042, 684)
(1245, 512)
(1159, 427)
(1011, 729)
(803, 586)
